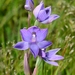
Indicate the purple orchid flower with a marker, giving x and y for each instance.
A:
(50, 57)
(43, 14)
(29, 5)
(33, 38)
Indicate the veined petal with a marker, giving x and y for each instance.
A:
(41, 34)
(29, 5)
(46, 21)
(52, 52)
(53, 17)
(34, 49)
(48, 10)
(52, 63)
(44, 14)
(37, 9)
(50, 19)
(21, 45)
(26, 35)
(56, 57)
(44, 44)
(33, 29)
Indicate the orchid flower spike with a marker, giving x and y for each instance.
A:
(29, 5)
(33, 38)
(43, 15)
(50, 57)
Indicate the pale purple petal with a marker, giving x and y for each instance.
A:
(56, 57)
(50, 19)
(52, 63)
(48, 10)
(37, 9)
(52, 52)
(44, 44)
(29, 5)
(53, 17)
(44, 14)
(33, 29)
(26, 35)
(34, 49)
(21, 45)
(41, 34)
(46, 21)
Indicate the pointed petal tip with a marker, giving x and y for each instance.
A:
(52, 63)
(37, 9)
(50, 43)
(17, 47)
(45, 30)
(62, 57)
(21, 45)
(44, 44)
(51, 18)
(49, 7)
(56, 57)
(56, 17)
(34, 50)
(56, 49)
(34, 55)
(41, 2)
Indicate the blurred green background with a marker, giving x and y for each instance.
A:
(61, 32)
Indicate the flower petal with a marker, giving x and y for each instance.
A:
(52, 52)
(33, 29)
(29, 5)
(53, 17)
(26, 35)
(52, 63)
(50, 19)
(21, 45)
(46, 21)
(41, 34)
(56, 57)
(44, 14)
(34, 49)
(44, 44)
(37, 9)
(42, 53)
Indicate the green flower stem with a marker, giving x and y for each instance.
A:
(38, 61)
(36, 23)
(29, 16)
(38, 66)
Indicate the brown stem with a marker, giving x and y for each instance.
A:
(29, 19)
(26, 64)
